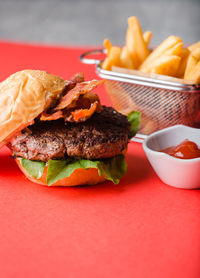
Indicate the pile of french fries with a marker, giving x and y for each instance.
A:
(170, 58)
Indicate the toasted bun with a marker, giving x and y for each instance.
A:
(24, 95)
(78, 177)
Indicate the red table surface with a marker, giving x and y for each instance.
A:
(138, 228)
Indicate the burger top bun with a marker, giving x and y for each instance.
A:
(23, 96)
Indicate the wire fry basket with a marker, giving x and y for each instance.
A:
(163, 101)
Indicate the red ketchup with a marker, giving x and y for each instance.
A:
(185, 150)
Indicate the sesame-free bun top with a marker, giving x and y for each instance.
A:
(23, 96)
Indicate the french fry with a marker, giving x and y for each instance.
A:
(196, 53)
(194, 46)
(106, 65)
(165, 65)
(108, 45)
(192, 72)
(166, 45)
(191, 63)
(126, 60)
(196, 74)
(131, 47)
(175, 50)
(184, 57)
(113, 58)
(147, 37)
(135, 42)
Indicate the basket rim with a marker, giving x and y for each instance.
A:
(146, 81)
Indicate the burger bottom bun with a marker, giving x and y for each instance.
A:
(78, 177)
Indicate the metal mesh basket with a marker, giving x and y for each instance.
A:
(162, 101)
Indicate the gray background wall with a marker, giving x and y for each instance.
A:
(89, 22)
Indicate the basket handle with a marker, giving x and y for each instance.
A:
(89, 60)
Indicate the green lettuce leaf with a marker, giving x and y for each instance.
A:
(113, 168)
(34, 168)
(134, 119)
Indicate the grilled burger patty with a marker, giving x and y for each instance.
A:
(103, 135)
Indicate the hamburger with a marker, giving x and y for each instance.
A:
(58, 131)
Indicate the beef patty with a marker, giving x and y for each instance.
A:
(103, 135)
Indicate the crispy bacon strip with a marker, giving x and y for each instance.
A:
(50, 117)
(81, 115)
(86, 106)
(78, 102)
(68, 101)
(77, 78)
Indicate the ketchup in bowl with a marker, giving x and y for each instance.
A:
(185, 150)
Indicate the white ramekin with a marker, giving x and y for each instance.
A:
(180, 173)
